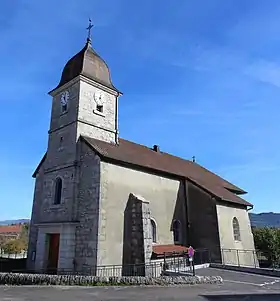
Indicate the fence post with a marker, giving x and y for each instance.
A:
(254, 256)
(238, 262)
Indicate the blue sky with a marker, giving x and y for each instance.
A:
(199, 78)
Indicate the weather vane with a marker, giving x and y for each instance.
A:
(89, 30)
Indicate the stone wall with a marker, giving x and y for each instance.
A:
(33, 231)
(92, 123)
(137, 244)
(44, 210)
(59, 119)
(66, 246)
(87, 208)
(81, 118)
(61, 147)
(63, 128)
(147, 233)
(50, 212)
(74, 280)
(80, 197)
(80, 181)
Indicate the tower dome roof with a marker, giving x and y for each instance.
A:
(89, 64)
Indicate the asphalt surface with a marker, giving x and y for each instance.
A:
(245, 285)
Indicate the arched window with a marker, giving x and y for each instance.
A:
(154, 230)
(236, 229)
(58, 191)
(176, 227)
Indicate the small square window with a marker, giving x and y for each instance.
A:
(99, 108)
(64, 108)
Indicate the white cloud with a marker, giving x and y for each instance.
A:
(264, 71)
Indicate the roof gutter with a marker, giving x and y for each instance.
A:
(250, 208)
(230, 201)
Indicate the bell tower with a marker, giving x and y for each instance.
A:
(85, 102)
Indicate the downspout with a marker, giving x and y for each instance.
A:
(116, 120)
(186, 194)
(215, 199)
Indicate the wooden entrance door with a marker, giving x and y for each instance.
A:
(53, 252)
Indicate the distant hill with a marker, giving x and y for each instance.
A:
(268, 219)
(15, 221)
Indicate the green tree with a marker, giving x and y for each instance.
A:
(267, 241)
(24, 235)
(2, 242)
(13, 246)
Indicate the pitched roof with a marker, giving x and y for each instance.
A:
(142, 156)
(160, 250)
(10, 229)
(89, 64)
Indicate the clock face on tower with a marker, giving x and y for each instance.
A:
(64, 101)
(99, 100)
(98, 97)
(64, 98)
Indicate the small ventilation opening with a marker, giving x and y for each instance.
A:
(156, 148)
(64, 108)
(60, 143)
(99, 108)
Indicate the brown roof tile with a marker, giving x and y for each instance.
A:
(221, 192)
(162, 249)
(142, 156)
(10, 229)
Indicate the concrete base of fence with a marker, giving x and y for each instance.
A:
(260, 271)
(42, 279)
(185, 271)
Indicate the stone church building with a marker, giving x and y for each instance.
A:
(102, 200)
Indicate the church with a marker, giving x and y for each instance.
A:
(101, 200)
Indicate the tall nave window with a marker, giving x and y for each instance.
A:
(58, 191)
(176, 227)
(154, 231)
(236, 229)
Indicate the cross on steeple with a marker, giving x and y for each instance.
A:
(90, 25)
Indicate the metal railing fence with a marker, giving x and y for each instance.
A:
(248, 258)
(13, 255)
(151, 269)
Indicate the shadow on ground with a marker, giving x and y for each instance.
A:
(243, 297)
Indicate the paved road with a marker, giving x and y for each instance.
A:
(235, 283)
(238, 279)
